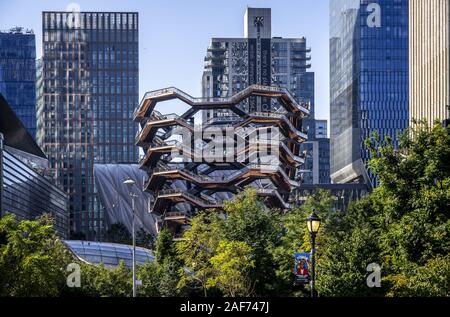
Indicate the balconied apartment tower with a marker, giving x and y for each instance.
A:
(186, 174)
(233, 64)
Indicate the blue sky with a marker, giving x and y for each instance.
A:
(174, 34)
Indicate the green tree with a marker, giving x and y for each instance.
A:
(101, 281)
(145, 239)
(168, 272)
(165, 247)
(413, 200)
(403, 225)
(295, 238)
(198, 247)
(118, 233)
(347, 243)
(249, 220)
(232, 265)
(168, 264)
(429, 280)
(33, 260)
(148, 274)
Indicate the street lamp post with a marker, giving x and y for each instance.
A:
(130, 183)
(313, 224)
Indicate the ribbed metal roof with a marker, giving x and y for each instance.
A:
(110, 254)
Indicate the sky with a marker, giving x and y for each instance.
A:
(174, 34)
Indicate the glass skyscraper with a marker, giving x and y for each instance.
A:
(368, 80)
(26, 191)
(88, 93)
(18, 74)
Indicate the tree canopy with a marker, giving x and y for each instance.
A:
(32, 259)
(403, 225)
(248, 249)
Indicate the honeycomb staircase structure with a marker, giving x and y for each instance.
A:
(185, 176)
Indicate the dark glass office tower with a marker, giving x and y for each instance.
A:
(18, 74)
(89, 91)
(368, 80)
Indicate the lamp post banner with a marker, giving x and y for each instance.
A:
(302, 268)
